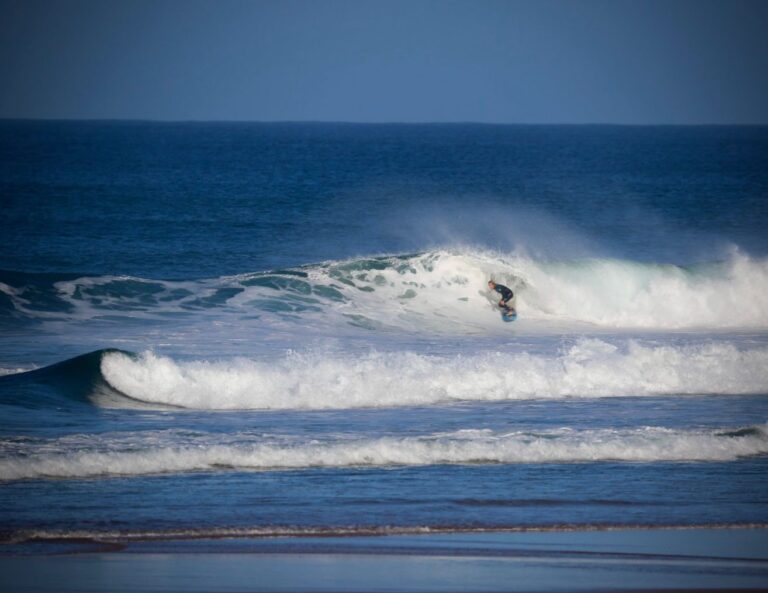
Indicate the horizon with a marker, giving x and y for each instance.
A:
(380, 123)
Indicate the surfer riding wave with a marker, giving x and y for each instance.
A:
(506, 297)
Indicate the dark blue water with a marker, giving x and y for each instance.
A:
(259, 328)
(200, 200)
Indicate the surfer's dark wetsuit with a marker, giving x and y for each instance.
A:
(508, 313)
(506, 295)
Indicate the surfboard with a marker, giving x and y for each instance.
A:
(508, 315)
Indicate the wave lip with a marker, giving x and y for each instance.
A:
(465, 447)
(588, 368)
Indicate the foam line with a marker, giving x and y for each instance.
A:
(648, 444)
(270, 531)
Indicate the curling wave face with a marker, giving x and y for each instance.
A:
(441, 291)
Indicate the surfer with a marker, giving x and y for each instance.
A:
(506, 296)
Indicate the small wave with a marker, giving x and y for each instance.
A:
(272, 531)
(588, 368)
(117, 458)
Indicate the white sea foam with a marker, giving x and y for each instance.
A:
(618, 293)
(588, 368)
(647, 444)
(14, 370)
(447, 291)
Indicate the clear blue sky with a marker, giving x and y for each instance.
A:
(543, 61)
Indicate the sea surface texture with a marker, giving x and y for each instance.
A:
(246, 329)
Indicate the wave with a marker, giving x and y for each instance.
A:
(77, 379)
(105, 456)
(587, 368)
(441, 291)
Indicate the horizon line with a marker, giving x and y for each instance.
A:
(365, 123)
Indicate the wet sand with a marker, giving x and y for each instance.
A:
(612, 560)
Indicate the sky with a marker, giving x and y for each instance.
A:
(543, 61)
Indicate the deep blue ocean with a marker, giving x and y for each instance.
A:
(212, 329)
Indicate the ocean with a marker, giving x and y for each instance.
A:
(231, 330)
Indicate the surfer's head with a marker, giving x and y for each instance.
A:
(491, 284)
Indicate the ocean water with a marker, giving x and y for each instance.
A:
(258, 329)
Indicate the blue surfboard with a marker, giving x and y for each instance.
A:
(508, 315)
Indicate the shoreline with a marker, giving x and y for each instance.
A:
(128, 537)
(627, 560)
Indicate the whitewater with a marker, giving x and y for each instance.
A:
(590, 329)
(114, 456)
(587, 369)
(394, 363)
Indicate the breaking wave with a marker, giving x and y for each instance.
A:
(587, 368)
(442, 291)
